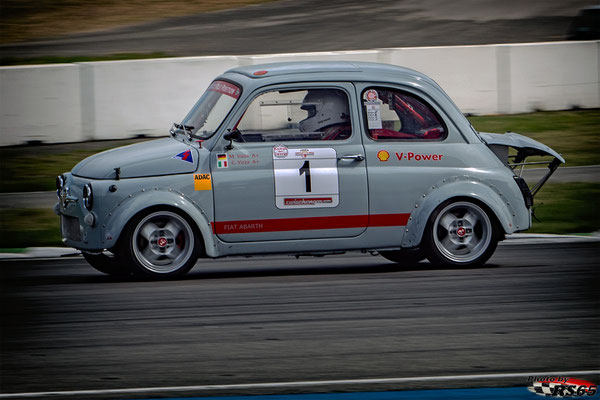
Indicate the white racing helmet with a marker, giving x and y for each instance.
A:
(325, 107)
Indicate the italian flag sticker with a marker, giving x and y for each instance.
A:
(222, 161)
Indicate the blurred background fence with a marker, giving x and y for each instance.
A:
(123, 99)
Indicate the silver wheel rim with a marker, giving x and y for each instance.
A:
(163, 242)
(462, 232)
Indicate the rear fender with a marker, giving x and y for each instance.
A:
(468, 187)
(118, 217)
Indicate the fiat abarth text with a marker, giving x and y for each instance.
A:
(304, 159)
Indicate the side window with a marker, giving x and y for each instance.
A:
(392, 115)
(288, 115)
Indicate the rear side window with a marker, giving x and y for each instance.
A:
(396, 115)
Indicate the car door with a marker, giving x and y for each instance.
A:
(297, 169)
(408, 149)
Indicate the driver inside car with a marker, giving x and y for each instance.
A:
(328, 114)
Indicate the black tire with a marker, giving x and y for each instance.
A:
(460, 233)
(109, 264)
(160, 244)
(404, 258)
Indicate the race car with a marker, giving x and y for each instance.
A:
(309, 158)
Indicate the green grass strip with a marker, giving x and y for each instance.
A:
(574, 134)
(567, 208)
(20, 228)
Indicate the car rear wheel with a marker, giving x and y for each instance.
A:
(161, 244)
(107, 263)
(460, 234)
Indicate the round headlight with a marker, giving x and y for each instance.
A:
(88, 197)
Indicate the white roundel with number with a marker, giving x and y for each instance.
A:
(306, 178)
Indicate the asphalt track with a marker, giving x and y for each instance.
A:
(352, 318)
(292, 26)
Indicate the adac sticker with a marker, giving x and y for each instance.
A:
(222, 161)
(185, 156)
(202, 182)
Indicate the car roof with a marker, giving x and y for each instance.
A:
(342, 70)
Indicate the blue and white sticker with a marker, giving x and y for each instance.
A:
(185, 156)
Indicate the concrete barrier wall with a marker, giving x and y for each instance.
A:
(121, 99)
(145, 97)
(40, 103)
(549, 78)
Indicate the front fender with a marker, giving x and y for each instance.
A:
(119, 216)
(503, 205)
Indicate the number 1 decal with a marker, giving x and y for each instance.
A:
(305, 178)
(305, 169)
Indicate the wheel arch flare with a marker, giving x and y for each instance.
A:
(146, 200)
(504, 206)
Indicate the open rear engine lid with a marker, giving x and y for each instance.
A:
(525, 147)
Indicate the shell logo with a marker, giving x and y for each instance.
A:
(383, 155)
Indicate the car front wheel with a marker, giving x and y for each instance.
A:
(161, 244)
(460, 234)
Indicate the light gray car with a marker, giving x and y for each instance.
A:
(306, 159)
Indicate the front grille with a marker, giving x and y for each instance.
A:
(69, 227)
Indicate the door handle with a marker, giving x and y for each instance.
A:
(352, 157)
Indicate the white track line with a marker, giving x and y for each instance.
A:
(295, 384)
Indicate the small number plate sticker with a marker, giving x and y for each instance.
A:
(305, 178)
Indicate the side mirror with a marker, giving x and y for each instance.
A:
(231, 136)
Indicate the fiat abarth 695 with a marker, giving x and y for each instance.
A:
(304, 159)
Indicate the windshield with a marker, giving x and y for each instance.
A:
(209, 112)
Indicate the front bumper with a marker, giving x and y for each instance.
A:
(79, 227)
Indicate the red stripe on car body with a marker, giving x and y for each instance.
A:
(309, 224)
